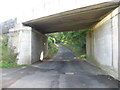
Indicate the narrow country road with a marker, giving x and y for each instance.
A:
(62, 71)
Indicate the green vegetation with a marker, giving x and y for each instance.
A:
(7, 57)
(77, 50)
(74, 40)
(52, 48)
(7, 64)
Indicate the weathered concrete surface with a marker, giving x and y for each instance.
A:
(72, 73)
(102, 43)
(42, 8)
(21, 39)
(76, 19)
(39, 46)
(0, 78)
(30, 45)
(119, 44)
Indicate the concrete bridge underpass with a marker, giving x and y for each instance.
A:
(102, 41)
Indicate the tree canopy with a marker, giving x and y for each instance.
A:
(71, 38)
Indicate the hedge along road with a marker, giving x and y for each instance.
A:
(62, 71)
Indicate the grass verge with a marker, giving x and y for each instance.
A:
(8, 65)
(76, 49)
(52, 49)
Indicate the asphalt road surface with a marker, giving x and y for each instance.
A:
(62, 71)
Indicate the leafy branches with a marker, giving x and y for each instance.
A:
(7, 57)
(75, 40)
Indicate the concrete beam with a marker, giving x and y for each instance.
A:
(76, 19)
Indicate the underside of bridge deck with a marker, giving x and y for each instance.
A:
(81, 18)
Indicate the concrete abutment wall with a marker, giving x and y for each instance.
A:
(103, 43)
(119, 43)
(39, 46)
(30, 45)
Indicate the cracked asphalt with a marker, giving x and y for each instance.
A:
(62, 71)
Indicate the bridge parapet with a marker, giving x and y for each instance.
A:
(42, 8)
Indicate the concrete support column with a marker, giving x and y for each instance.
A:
(20, 38)
(39, 46)
(119, 43)
(30, 45)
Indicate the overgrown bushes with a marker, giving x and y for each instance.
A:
(52, 48)
(77, 50)
(7, 57)
(74, 40)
